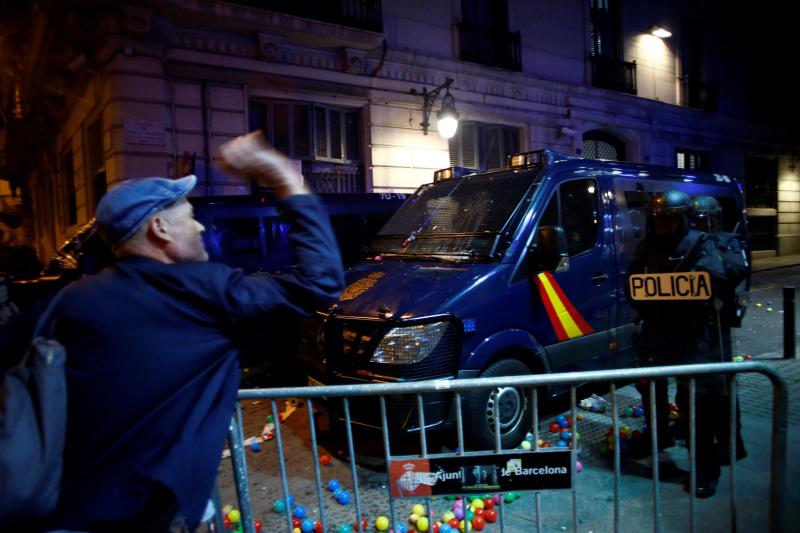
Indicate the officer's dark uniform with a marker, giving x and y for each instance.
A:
(677, 332)
(705, 216)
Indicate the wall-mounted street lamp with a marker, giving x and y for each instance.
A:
(447, 117)
(660, 31)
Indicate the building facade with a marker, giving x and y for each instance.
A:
(152, 88)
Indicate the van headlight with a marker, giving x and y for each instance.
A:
(407, 345)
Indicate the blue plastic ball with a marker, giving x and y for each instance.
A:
(566, 435)
(343, 498)
(639, 411)
(279, 506)
(299, 512)
(564, 424)
(256, 447)
(561, 418)
(345, 528)
(561, 444)
(400, 528)
(307, 525)
(333, 485)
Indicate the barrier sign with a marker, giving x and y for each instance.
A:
(478, 474)
(670, 286)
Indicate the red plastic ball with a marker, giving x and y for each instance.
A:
(258, 524)
(555, 428)
(325, 459)
(318, 527)
(454, 522)
(296, 522)
(435, 527)
(364, 525)
(478, 523)
(226, 521)
(490, 516)
(488, 503)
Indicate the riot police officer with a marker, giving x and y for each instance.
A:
(676, 331)
(706, 216)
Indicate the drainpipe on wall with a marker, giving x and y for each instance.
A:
(206, 149)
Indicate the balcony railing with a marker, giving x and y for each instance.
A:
(361, 14)
(614, 74)
(698, 94)
(487, 46)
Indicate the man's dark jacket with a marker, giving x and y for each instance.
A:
(152, 368)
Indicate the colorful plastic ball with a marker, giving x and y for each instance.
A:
(297, 530)
(307, 526)
(299, 512)
(578, 466)
(561, 444)
(560, 418)
(758, 304)
(490, 516)
(418, 509)
(345, 528)
(447, 516)
(279, 506)
(509, 497)
(413, 518)
(296, 522)
(469, 515)
(227, 509)
(488, 503)
(234, 515)
(422, 523)
(525, 445)
(436, 527)
(459, 513)
(478, 523)
(318, 526)
(554, 427)
(324, 459)
(382, 523)
(400, 528)
(497, 498)
(270, 419)
(564, 423)
(343, 498)
(364, 525)
(454, 523)
(566, 435)
(258, 524)
(638, 411)
(628, 411)
(445, 528)
(226, 522)
(477, 503)
(333, 485)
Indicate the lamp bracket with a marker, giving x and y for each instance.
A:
(429, 98)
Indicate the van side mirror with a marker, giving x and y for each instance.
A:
(550, 253)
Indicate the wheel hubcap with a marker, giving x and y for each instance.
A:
(509, 405)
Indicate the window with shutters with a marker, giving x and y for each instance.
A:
(69, 212)
(483, 146)
(95, 162)
(307, 131)
(326, 139)
(691, 159)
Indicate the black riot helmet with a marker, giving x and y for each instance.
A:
(705, 213)
(670, 211)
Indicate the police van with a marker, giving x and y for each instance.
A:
(510, 272)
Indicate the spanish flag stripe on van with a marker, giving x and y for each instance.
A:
(565, 319)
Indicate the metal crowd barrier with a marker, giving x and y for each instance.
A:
(347, 393)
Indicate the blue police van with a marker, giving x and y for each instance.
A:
(510, 272)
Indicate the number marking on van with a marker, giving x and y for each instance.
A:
(671, 286)
(359, 287)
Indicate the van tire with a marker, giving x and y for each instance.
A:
(514, 408)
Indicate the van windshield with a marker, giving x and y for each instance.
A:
(457, 219)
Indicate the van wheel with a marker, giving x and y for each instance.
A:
(510, 403)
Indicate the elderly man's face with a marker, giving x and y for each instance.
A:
(187, 244)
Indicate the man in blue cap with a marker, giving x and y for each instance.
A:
(152, 344)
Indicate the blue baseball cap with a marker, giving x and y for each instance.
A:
(126, 207)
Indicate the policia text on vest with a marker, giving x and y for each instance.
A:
(671, 286)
